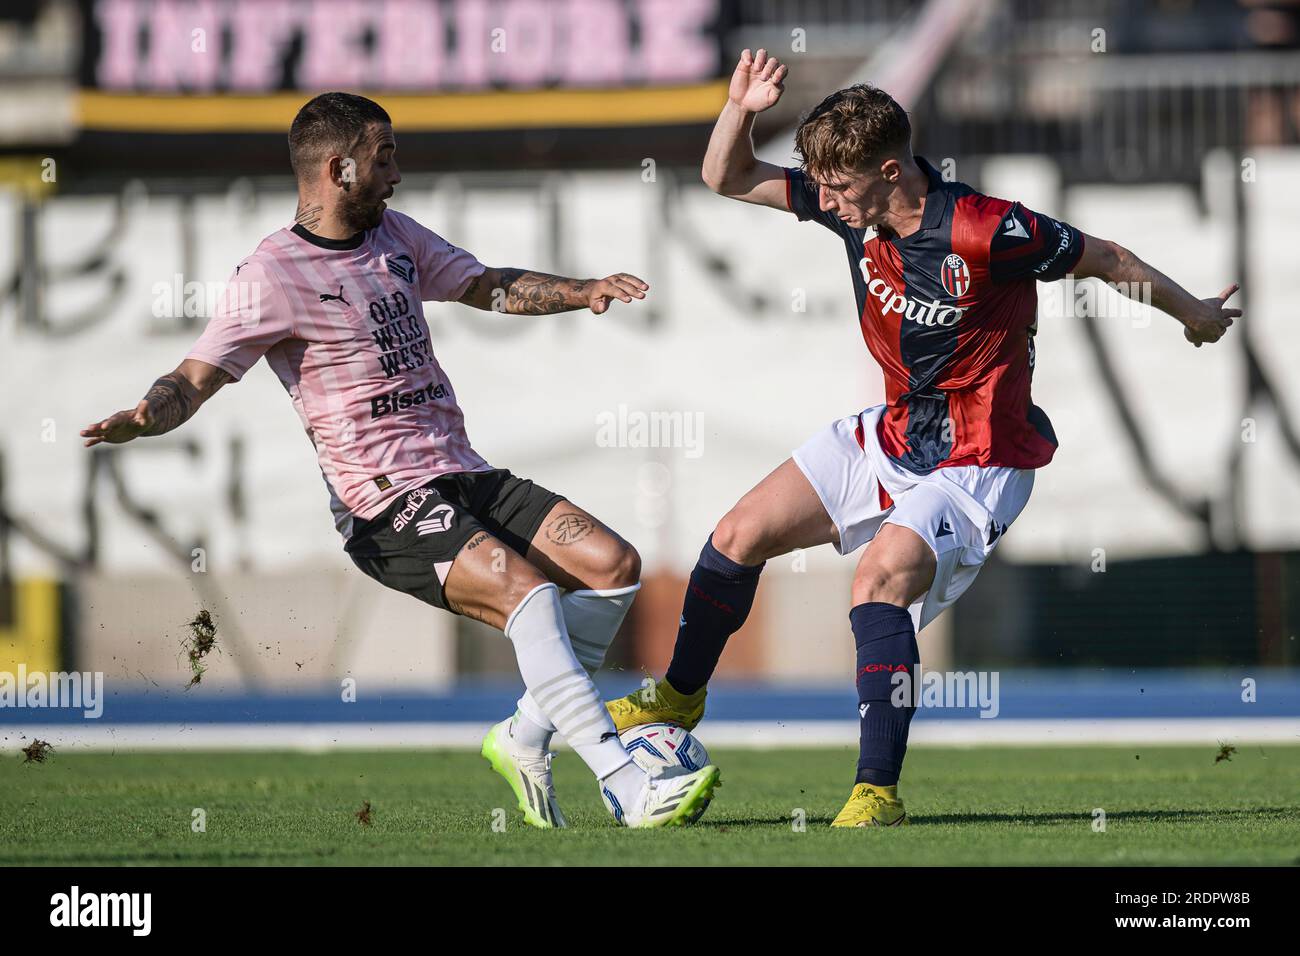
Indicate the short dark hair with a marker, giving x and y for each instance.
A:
(851, 130)
(329, 123)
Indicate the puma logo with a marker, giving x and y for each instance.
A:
(326, 297)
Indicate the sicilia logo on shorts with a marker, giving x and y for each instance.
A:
(414, 502)
(381, 405)
(103, 909)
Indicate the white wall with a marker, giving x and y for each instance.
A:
(761, 384)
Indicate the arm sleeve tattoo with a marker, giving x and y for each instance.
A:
(173, 399)
(523, 292)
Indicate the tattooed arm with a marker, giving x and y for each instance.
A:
(170, 402)
(521, 292)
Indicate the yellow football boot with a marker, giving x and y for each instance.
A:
(658, 703)
(872, 806)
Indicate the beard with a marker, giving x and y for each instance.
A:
(360, 211)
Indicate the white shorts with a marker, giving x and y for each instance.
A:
(961, 512)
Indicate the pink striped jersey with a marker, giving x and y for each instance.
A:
(341, 324)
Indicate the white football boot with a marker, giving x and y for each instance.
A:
(671, 799)
(528, 771)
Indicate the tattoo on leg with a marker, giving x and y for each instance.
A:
(470, 613)
(569, 529)
(474, 615)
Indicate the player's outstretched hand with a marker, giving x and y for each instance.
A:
(1213, 320)
(756, 84)
(622, 286)
(119, 428)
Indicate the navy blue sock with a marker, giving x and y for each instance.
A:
(718, 598)
(886, 643)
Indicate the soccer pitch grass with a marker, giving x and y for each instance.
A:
(1006, 806)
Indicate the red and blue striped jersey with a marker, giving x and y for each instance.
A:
(949, 314)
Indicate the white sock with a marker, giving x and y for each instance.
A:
(557, 683)
(530, 733)
(625, 785)
(593, 618)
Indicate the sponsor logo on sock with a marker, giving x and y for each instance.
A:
(879, 668)
(704, 595)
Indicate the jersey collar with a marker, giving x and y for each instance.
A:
(352, 242)
(936, 202)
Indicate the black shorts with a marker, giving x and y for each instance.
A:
(411, 544)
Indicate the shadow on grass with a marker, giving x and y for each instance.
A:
(170, 858)
(1029, 817)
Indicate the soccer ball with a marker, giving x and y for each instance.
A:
(659, 747)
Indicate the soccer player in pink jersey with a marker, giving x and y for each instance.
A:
(334, 304)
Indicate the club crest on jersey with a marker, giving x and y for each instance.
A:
(955, 275)
(439, 519)
(402, 266)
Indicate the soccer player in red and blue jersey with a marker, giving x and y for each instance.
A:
(945, 279)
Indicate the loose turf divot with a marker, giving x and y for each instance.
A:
(37, 752)
(201, 642)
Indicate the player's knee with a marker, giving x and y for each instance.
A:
(898, 586)
(480, 585)
(737, 538)
(522, 580)
(620, 566)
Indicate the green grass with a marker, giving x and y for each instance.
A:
(1032, 806)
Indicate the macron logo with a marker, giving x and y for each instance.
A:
(1014, 227)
